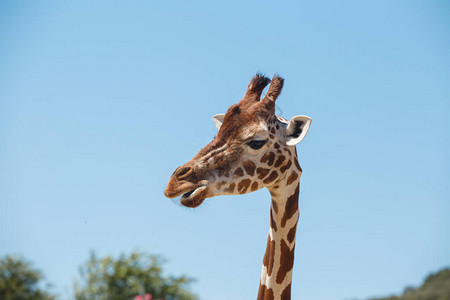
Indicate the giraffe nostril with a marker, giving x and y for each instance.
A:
(183, 172)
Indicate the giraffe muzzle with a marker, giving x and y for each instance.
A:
(191, 194)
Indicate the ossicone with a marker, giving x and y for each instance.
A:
(256, 86)
(275, 89)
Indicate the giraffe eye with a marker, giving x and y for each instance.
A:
(256, 144)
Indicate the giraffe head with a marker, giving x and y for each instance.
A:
(253, 149)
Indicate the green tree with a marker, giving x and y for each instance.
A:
(18, 281)
(435, 287)
(127, 276)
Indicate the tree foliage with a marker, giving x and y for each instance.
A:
(18, 281)
(127, 276)
(435, 287)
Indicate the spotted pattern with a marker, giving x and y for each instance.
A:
(286, 166)
(268, 158)
(279, 161)
(273, 225)
(271, 177)
(286, 261)
(286, 294)
(264, 293)
(268, 256)
(238, 173)
(297, 165)
(249, 167)
(292, 178)
(275, 206)
(243, 185)
(230, 189)
(291, 233)
(291, 207)
(262, 172)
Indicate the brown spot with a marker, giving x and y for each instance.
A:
(269, 256)
(271, 177)
(291, 207)
(264, 293)
(271, 136)
(262, 172)
(286, 294)
(275, 206)
(286, 261)
(272, 222)
(291, 233)
(276, 146)
(243, 185)
(297, 165)
(269, 157)
(279, 161)
(219, 185)
(292, 177)
(249, 167)
(278, 126)
(238, 173)
(272, 130)
(230, 189)
(254, 186)
(286, 166)
(288, 151)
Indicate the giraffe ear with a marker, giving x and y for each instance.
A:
(218, 120)
(296, 130)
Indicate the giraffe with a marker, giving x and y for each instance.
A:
(254, 148)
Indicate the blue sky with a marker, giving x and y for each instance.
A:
(101, 101)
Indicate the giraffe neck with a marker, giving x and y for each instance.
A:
(276, 275)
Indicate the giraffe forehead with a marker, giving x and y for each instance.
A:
(258, 129)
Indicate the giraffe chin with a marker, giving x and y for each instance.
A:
(192, 203)
(194, 197)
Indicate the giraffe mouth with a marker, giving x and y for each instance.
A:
(188, 193)
(194, 197)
